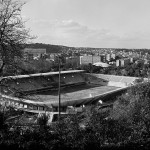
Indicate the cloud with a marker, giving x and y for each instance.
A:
(72, 33)
(136, 36)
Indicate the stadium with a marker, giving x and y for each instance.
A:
(39, 92)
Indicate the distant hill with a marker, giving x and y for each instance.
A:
(59, 48)
(49, 48)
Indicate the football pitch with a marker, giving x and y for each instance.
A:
(72, 93)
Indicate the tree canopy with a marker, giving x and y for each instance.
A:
(13, 34)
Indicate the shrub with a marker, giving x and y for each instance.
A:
(133, 110)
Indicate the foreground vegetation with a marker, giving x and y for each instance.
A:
(126, 125)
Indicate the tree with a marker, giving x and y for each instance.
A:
(133, 110)
(13, 34)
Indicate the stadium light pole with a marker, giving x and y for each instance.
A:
(92, 58)
(92, 64)
(59, 89)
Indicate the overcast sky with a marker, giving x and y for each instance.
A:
(90, 23)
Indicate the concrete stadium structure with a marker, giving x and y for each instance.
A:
(39, 92)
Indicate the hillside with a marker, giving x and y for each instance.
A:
(59, 48)
(49, 48)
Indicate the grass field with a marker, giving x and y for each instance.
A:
(72, 93)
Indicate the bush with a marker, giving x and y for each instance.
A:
(42, 120)
(133, 110)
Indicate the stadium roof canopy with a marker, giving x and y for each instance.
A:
(101, 64)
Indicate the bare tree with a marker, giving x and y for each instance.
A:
(13, 34)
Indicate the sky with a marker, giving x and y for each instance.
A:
(89, 23)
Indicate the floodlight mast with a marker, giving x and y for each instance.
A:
(91, 69)
(59, 90)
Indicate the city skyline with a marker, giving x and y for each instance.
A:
(89, 23)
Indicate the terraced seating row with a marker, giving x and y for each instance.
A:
(42, 82)
(73, 79)
(114, 78)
